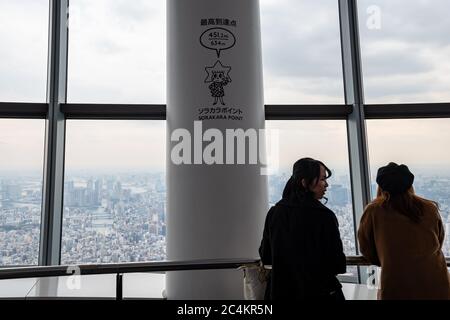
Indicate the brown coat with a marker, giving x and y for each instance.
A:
(410, 254)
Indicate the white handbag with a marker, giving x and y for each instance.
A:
(255, 281)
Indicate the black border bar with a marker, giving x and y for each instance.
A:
(23, 110)
(407, 111)
(114, 111)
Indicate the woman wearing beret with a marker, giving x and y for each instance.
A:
(403, 233)
(301, 239)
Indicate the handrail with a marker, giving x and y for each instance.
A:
(357, 261)
(132, 267)
(361, 261)
(120, 268)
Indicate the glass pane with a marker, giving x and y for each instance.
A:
(114, 192)
(301, 52)
(117, 51)
(420, 144)
(405, 49)
(23, 50)
(323, 140)
(21, 163)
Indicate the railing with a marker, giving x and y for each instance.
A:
(61, 270)
(133, 267)
(120, 268)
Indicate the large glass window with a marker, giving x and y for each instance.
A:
(422, 145)
(114, 192)
(405, 48)
(21, 163)
(301, 52)
(23, 50)
(117, 51)
(324, 140)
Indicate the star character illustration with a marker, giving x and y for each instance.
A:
(218, 76)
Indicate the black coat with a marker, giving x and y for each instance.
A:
(301, 241)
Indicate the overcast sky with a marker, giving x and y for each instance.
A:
(117, 55)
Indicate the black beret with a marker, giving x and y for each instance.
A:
(395, 178)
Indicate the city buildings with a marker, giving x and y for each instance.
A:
(121, 217)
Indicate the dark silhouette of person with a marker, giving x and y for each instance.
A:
(301, 239)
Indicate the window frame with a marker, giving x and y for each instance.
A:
(56, 111)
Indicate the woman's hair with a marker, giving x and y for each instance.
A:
(406, 203)
(307, 169)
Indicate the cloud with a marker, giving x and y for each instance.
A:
(406, 60)
(23, 50)
(322, 139)
(137, 11)
(21, 144)
(92, 144)
(419, 142)
(301, 52)
(117, 56)
(392, 58)
(414, 21)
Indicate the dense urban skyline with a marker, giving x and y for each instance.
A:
(116, 217)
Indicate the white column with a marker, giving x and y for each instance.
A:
(215, 206)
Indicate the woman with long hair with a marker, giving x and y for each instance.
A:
(403, 234)
(301, 239)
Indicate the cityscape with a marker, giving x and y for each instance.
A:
(111, 218)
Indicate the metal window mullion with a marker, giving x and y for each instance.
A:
(354, 95)
(52, 200)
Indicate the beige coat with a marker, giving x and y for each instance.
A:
(410, 255)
